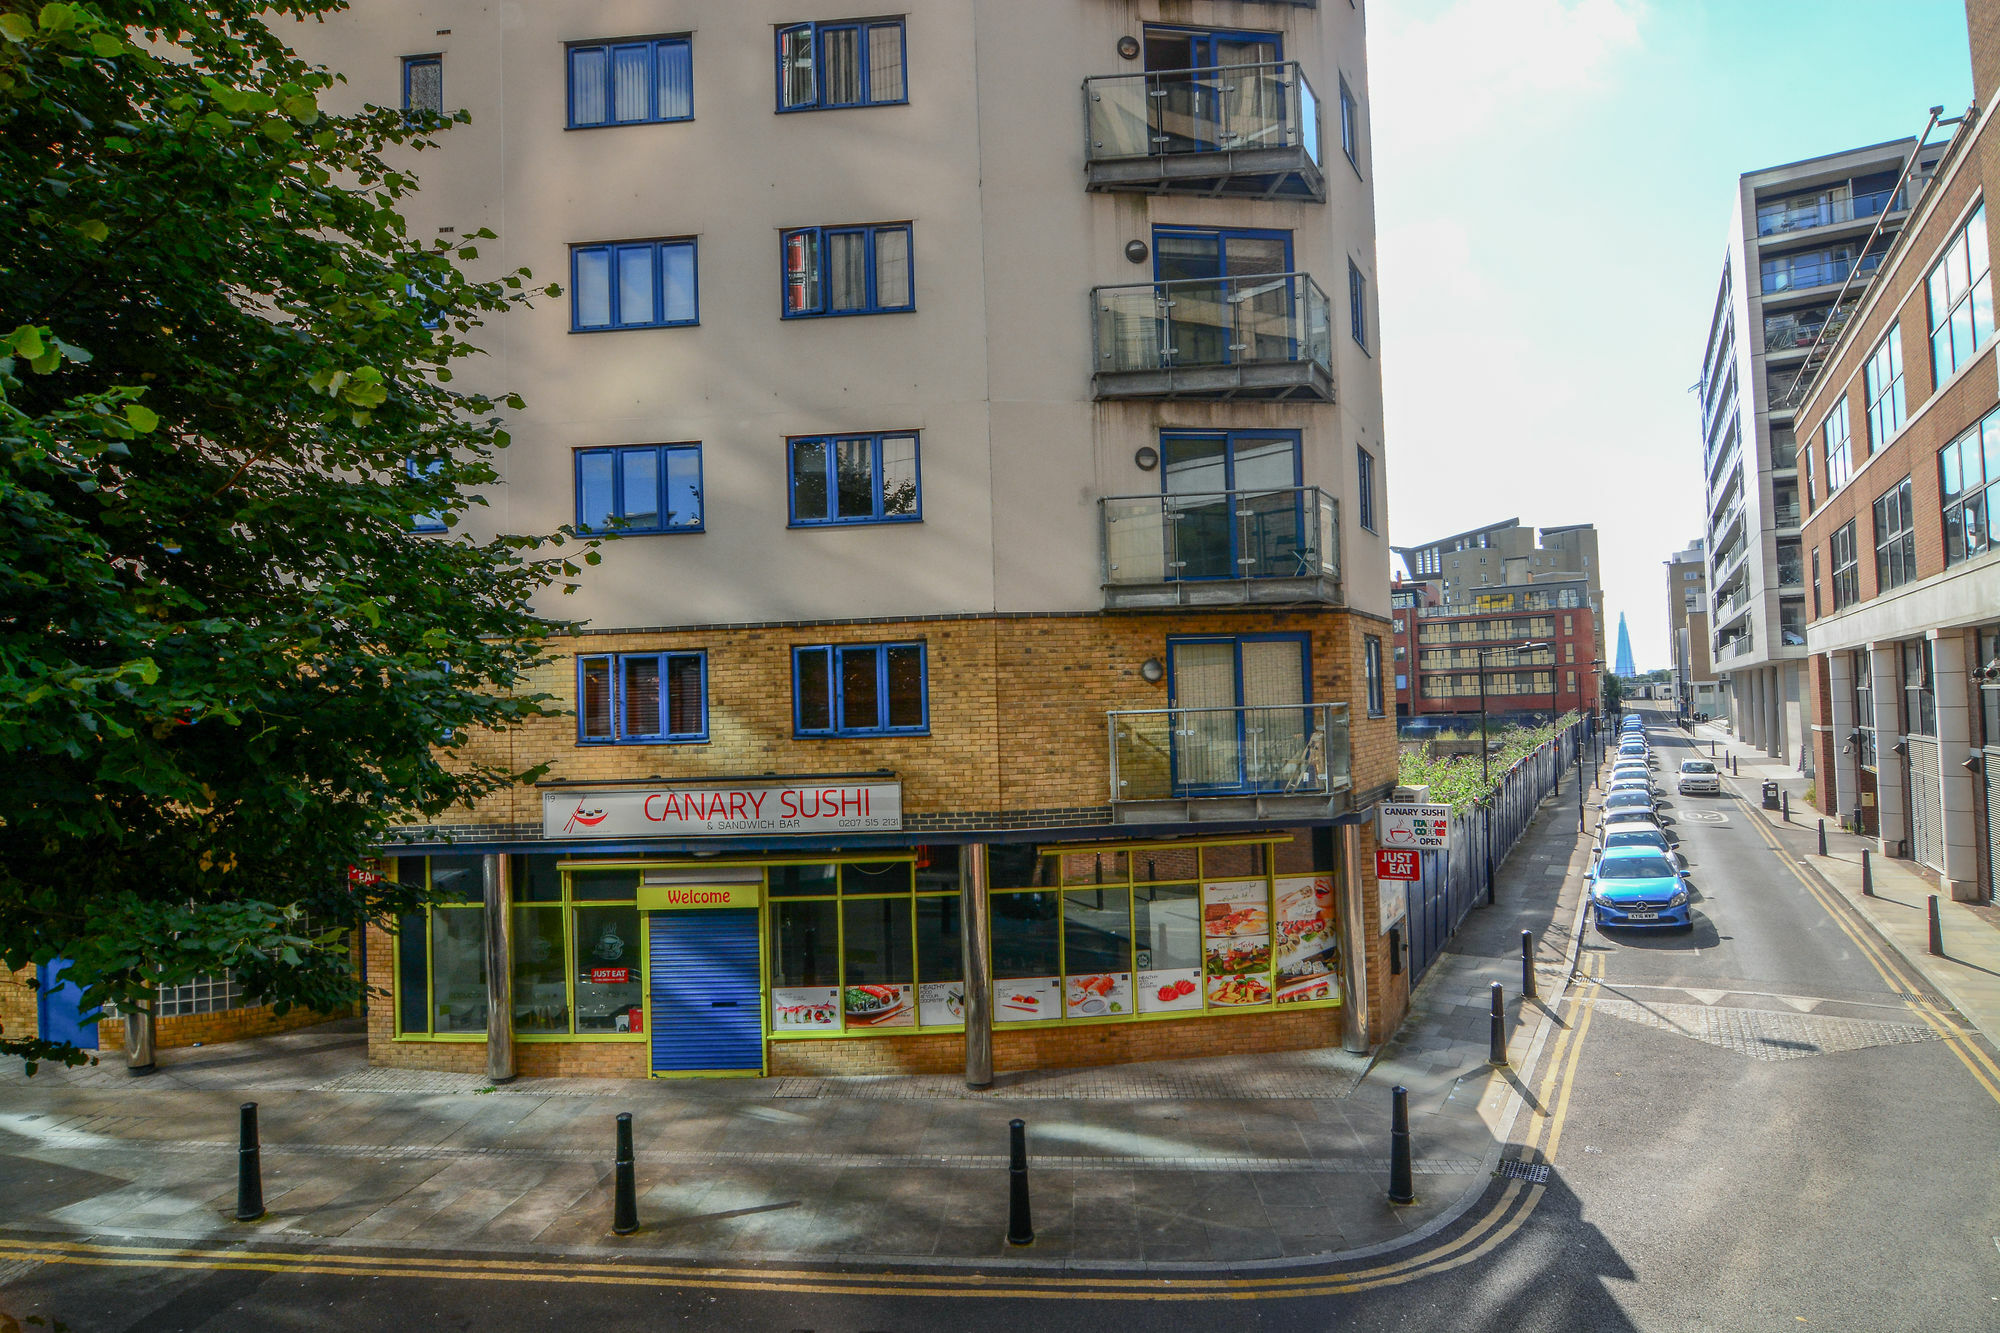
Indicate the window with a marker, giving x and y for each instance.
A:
(1969, 490)
(632, 285)
(1365, 464)
(1919, 688)
(823, 66)
(431, 520)
(1864, 707)
(579, 956)
(1883, 377)
(1961, 299)
(860, 690)
(639, 488)
(423, 84)
(631, 82)
(1357, 305)
(441, 952)
(1895, 538)
(866, 945)
(1846, 568)
(1350, 125)
(855, 479)
(1815, 583)
(1834, 436)
(863, 270)
(641, 698)
(1371, 657)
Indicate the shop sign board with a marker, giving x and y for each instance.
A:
(684, 812)
(1419, 827)
(675, 897)
(1397, 863)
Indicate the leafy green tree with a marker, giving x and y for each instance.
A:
(231, 661)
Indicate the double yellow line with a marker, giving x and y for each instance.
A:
(1890, 968)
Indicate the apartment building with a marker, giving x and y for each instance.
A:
(1901, 432)
(1524, 653)
(1695, 687)
(986, 662)
(1803, 239)
(1466, 565)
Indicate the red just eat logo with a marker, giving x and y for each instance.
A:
(587, 818)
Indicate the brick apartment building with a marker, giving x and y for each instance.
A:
(998, 627)
(1900, 452)
(1441, 651)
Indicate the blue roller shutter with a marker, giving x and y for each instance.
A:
(707, 1001)
(57, 1012)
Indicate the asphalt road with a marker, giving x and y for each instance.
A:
(1762, 1131)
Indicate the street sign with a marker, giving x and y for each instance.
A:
(1396, 863)
(1426, 828)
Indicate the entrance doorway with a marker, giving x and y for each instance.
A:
(706, 997)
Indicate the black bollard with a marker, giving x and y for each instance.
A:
(1401, 1188)
(1867, 876)
(1497, 1047)
(625, 1193)
(249, 1169)
(1822, 837)
(1785, 803)
(1937, 930)
(1020, 1230)
(1527, 965)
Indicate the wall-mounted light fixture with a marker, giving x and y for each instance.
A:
(1147, 458)
(1152, 671)
(1128, 46)
(1136, 251)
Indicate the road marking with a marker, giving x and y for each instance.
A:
(1705, 996)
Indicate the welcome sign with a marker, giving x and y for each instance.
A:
(693, 812)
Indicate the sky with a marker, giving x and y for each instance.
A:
(1553, 188)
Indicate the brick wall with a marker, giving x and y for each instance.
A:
(257, 1020)
(1017, 707)
(17, 1003)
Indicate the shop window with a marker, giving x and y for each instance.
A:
(579, 956)
(865, 945)
(441, 952)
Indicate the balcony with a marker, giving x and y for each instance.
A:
(1726, 609)
(1817, 271)
(1791, 573)
(1785, 515)
(1740, 646)
(1784, 450)
(1266, 336)
(1248, 130)
(1178, 764)
(1221, 548)
(1797, 331)
(1804, 213)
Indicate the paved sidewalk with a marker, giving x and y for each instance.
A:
(1968, 974)
(1242, 1161)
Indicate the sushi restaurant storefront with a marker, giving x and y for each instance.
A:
(640, 937)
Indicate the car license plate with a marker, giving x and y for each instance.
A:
(1642, 916)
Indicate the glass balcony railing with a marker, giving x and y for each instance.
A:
(1268, 335)
(1816, 272)
(1784, 450)
(1221, 539)
(1249, 129)
(1740, 646)
(1785, 515)
(1796, 332)
(1801, 213)
(1163, 754)
(1791, 573)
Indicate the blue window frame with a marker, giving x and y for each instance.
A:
(1371, 664)
(638, 81)
(1350, 125)
(854, 270)
(873, 689)
(1357, 305)
(1181, 253)
(1245, 721)
(432, 521)
(1365, 482)
(638, 488)
(1235, 510)
(423, 84)
(642, 698)
(842, 479)
(633, 285)
(1171, 48)
(843, 63)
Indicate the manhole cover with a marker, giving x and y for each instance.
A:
(1535, 1173)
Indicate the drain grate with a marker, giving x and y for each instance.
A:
(1535, 1173)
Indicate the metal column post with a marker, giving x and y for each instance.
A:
(499, 969)
(978, 965)
(1360, 939)
(1891, 817)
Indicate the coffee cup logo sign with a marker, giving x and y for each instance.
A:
(670, 812)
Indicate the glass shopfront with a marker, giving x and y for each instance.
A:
(871, 943)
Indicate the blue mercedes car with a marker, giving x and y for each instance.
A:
(1638, 886)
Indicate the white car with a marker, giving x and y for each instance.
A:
(1699, 775)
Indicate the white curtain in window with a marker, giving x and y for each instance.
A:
(635, 284)
(593, 289)
(842, 48)
(885, 62)
(847, 270)
(892, 268)
(676, 81)
(632, 76)
(588, 80)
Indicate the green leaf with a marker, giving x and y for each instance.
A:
(93, 229)
(106, 44)
(277, 131)
(15, 27)
(57, 18)
(143, 419)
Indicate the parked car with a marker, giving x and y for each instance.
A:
(1637, 836)
(1631, 782)
(1629, 799)
(1616, 821)
(1638, 886)
(1699, 775)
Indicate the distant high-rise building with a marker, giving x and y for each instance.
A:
(1802, 241)
(1624, 666)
